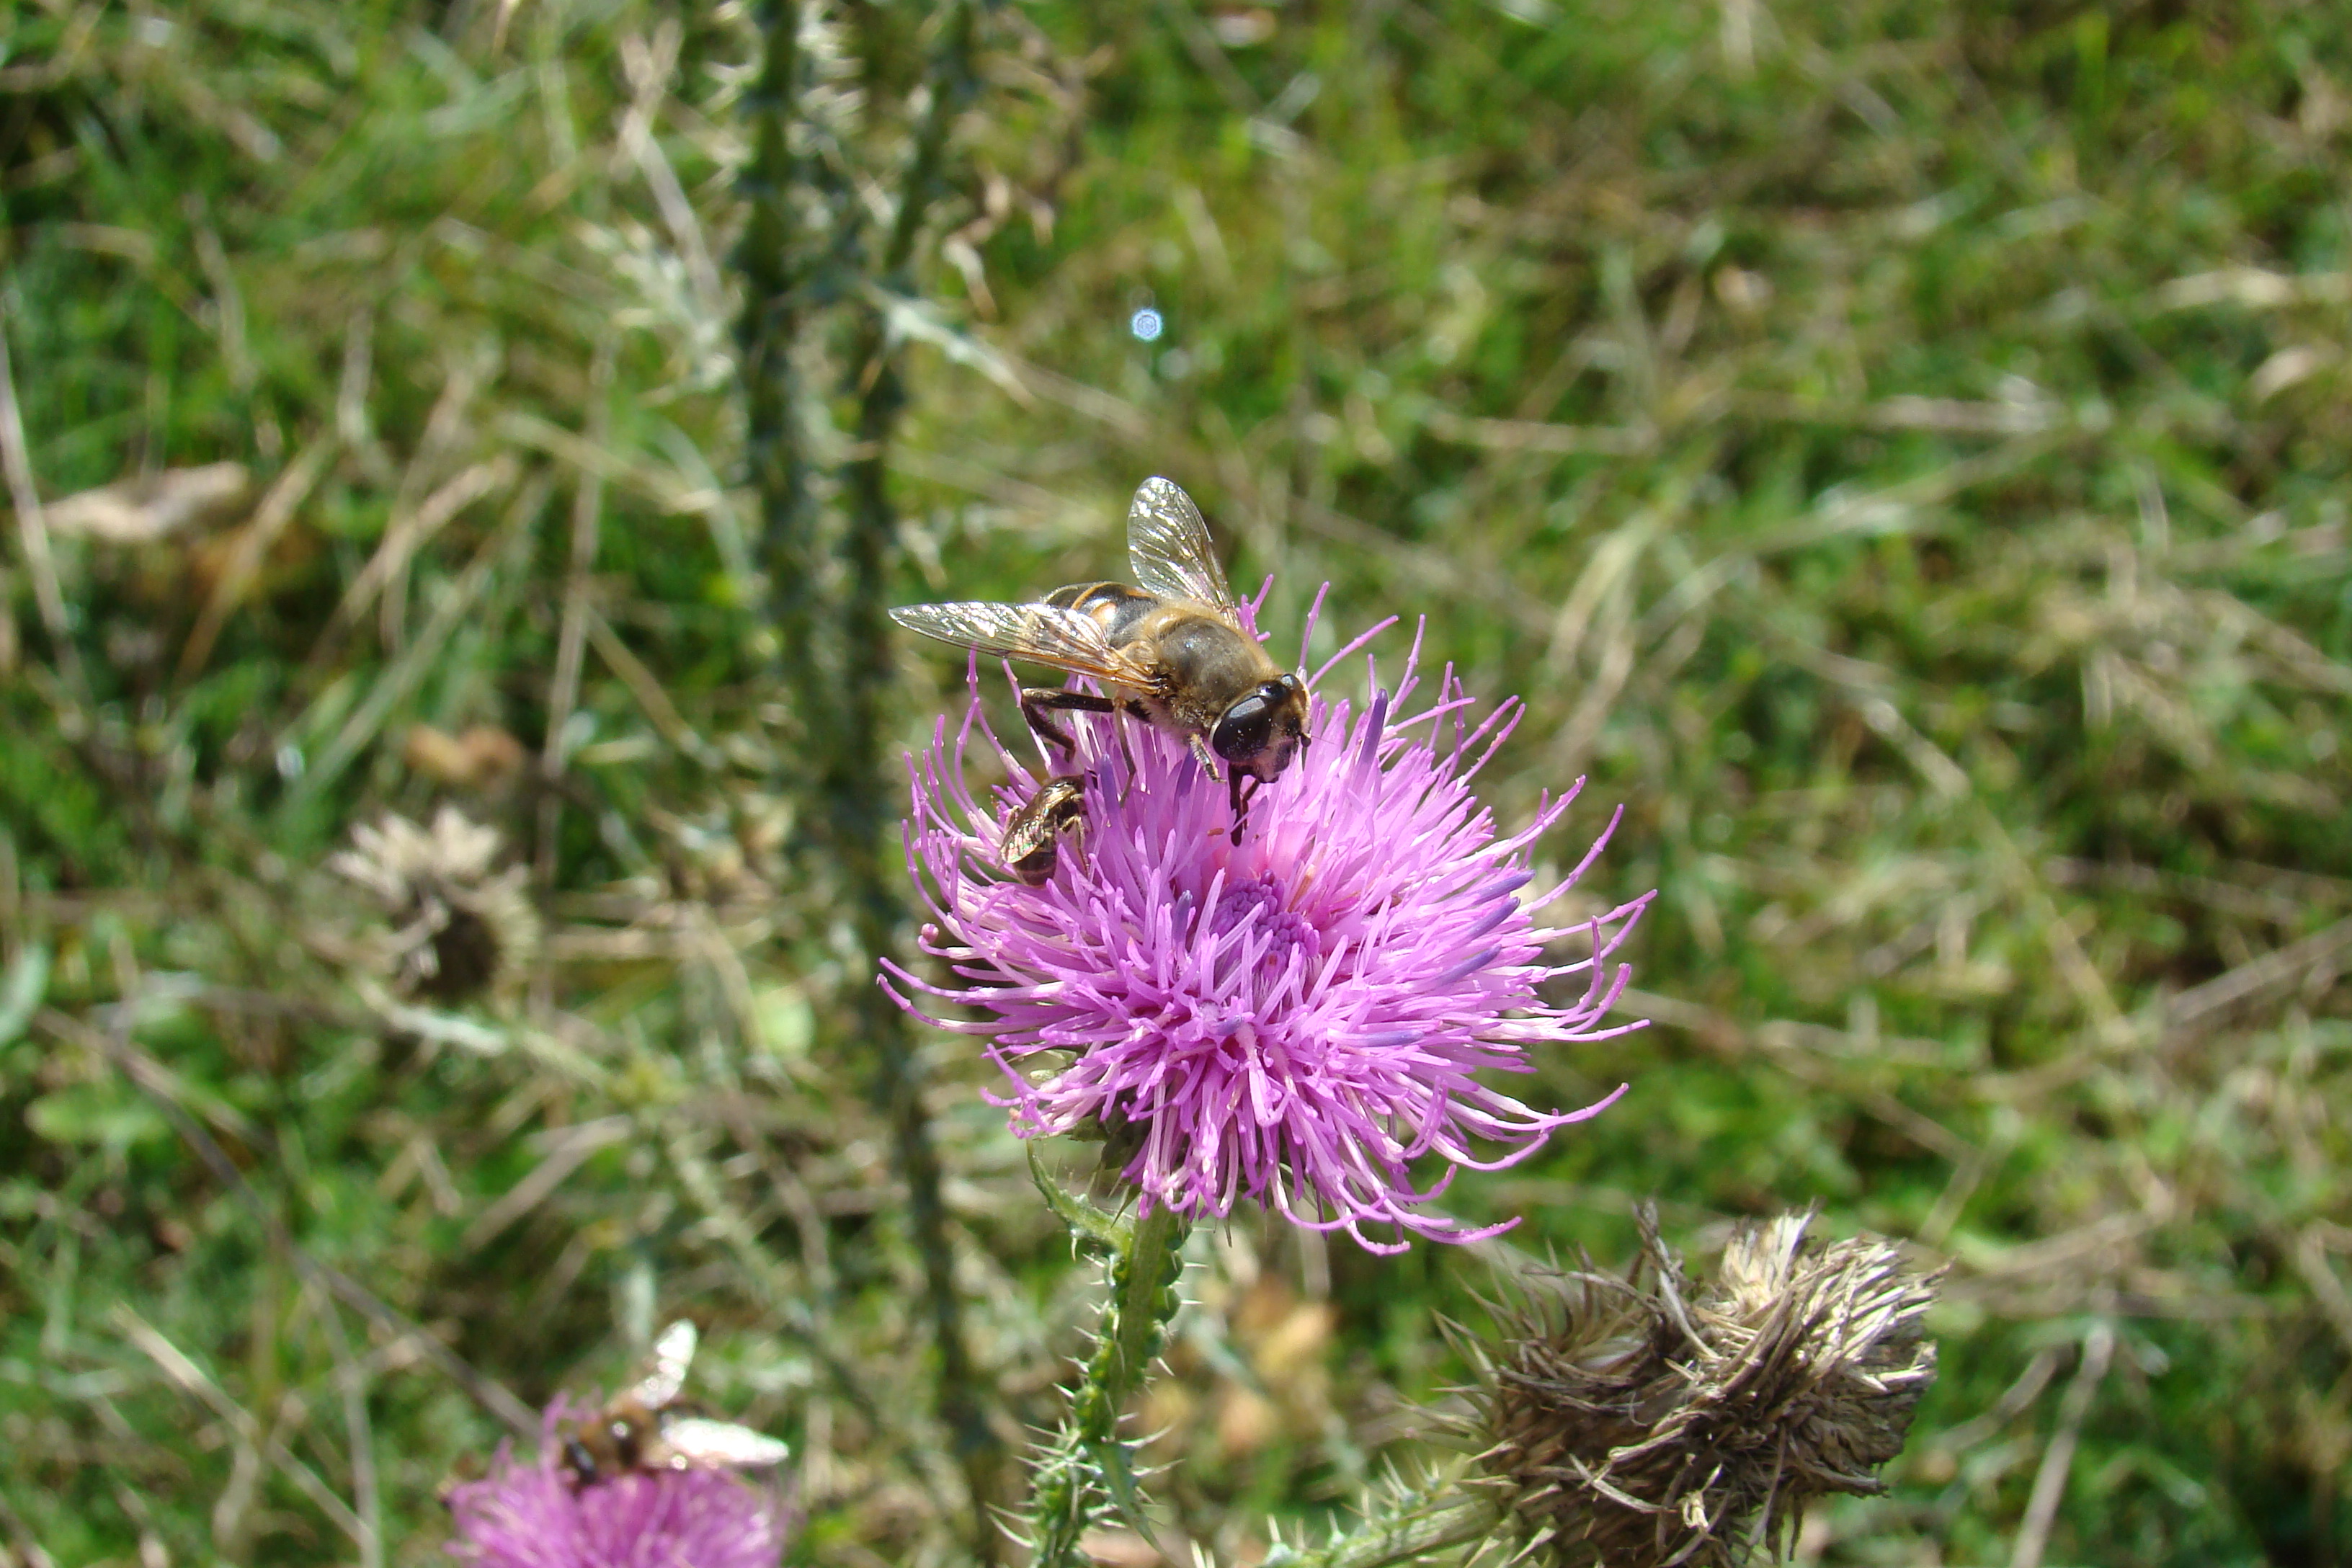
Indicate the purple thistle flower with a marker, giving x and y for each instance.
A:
(536, 1516)
(1295, 1020)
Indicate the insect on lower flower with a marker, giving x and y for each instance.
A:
(537, 1514)
(1295, 1018)
(647, 1428)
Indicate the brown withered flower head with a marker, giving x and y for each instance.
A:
(460, 928)
(1644, 1421)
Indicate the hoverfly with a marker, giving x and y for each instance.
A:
(646, 1428)
(1171, 651)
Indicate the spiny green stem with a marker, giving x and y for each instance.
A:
(1089, 1464)
(1147, 1301)
(862, 802)
(1425, 1525)
(771, 267)
(829, 599)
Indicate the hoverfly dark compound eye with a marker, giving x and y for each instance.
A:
(1248, 725)
(1289, 688)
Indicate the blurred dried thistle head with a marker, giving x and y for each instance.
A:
(1643, 1420)
(460, 928)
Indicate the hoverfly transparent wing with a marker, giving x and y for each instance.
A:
(1042, 634)
(695, 1440)
(1167, 546)
(673, 1353)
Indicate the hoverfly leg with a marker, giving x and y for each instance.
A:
(1129, 770)
(1038, 703)
(1239, 802)
(579, 1461)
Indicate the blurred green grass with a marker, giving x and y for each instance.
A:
(1897, 451)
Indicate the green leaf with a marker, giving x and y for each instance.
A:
(1091, 1229)
(103, 1114)
(21, 994)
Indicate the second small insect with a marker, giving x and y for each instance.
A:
(648, 1429)
(1171, 651)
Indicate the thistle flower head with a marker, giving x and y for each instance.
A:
(459, 929)
(1295, 1018)
(536, 1516)
(1637, 1421)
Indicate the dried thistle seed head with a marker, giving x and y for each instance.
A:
(459, 929)
(1644, 1421)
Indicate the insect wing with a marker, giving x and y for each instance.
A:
(695, 1440)
(1042, 634)
(1167, 546)
(1028, 849)
(1028, 832)
(673, 1353)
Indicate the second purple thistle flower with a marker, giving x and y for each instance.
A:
(1294, 1019)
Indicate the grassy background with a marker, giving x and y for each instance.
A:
(1897, 450)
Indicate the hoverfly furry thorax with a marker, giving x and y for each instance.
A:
(1170, 650)
(651, 1427)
